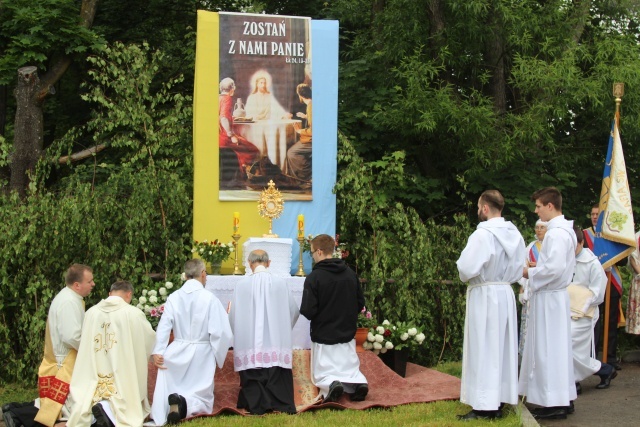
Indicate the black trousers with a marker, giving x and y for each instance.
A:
(266, 390)
(26, 415)
(614, 315)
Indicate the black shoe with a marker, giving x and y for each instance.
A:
(8, 406)
(480, 415)
(335, 391)
(361, 392)
(550, 413)
(10, 419)
(177, 408)
(571, 408)
(578, 389)
(605, 381)
(102, 420)
(616, 366)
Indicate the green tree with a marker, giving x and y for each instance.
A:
(488, 93)
(128, 215)
(45, 36)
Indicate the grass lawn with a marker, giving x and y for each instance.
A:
(442, 413)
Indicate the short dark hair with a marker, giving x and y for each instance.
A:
(324, 242)
(121, 285)
(579, 234)
(75, 273)
(595, 205)
(549, 195)
(494, 199)
(304, 90)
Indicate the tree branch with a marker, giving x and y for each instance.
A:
(51, 77)
(81, 154)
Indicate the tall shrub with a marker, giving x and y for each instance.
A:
(125, 211)
(408, 264)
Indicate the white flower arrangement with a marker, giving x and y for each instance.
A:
(392, 335)
(212, 252)
(151, 301)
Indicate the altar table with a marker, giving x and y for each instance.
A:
(272, 137)
(223, 286)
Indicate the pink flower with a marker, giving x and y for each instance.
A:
(368, 315)
(154, 312)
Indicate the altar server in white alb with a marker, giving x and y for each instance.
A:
(263, 313)
(490, 263)
(546, 372)
(586, 292)
(110, 376)
(202, 336)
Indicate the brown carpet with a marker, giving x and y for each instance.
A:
(386, 388)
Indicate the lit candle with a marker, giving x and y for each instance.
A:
(236, 222)
(300, 225)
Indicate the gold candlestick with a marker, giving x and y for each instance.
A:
(300, 272)
(236, 268)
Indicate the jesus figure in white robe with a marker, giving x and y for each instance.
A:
(202, 336)
(491, 262)
(546, 372)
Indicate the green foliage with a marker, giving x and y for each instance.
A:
(408, 265)
(427, 82)
(34, 33)
(125, 211)
(17, 393)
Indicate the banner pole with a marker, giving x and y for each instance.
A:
(607, 300)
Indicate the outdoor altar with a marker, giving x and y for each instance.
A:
(223, 286)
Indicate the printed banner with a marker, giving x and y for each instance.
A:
(265, 108)
(615, 233)
(214, 218)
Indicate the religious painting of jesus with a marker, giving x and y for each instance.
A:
(265, 112)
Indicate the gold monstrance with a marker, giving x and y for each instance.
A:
(270, 205)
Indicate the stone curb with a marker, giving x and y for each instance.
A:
(526, 417)
(632, 356)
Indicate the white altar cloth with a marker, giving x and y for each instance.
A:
(222, 287)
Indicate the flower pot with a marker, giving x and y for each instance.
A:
(361, 337)
(396, 360)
